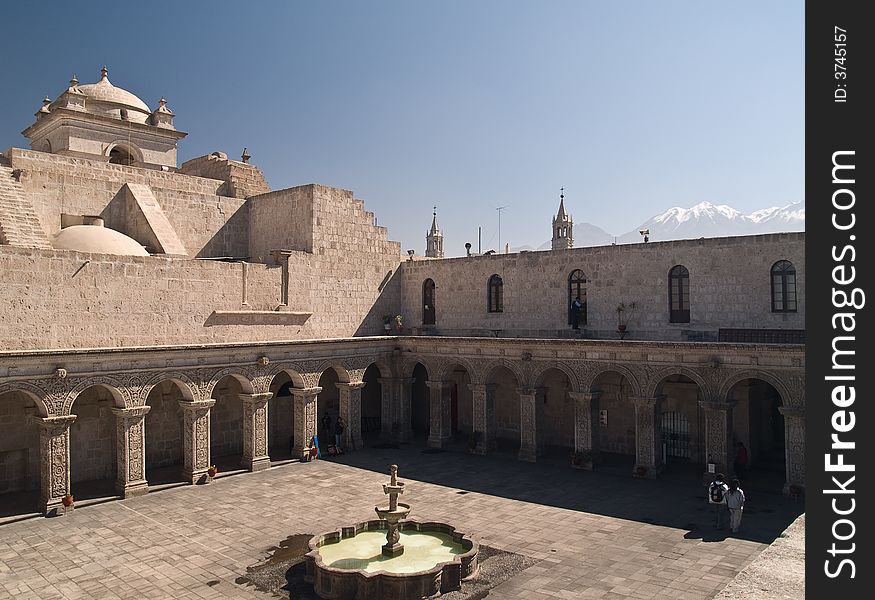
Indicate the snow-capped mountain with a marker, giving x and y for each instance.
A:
(710, 220)
(702, 220)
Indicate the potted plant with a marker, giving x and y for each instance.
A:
(67, 500)
(211, 471)
(624, 314)
(398, 323)
(387, 319)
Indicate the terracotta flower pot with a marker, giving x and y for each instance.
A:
(67, 500)
(212, 472)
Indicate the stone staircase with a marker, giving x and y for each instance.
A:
(18, 223)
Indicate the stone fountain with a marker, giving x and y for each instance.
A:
(354, 563)
(393, 514)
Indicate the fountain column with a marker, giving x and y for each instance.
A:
(305, 420)
(528, 425)
(195, 438)
(255, 427)
(393, 514)
(351, 412)
(648, 451)
(439, 431)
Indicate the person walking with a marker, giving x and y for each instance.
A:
(326, 427)
(338, 432)
(741, 459)
(576, 305)
(717, 498)
(735, 503)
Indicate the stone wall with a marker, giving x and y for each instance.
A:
(241, 179)
(226, 420)
(93, 437)
(19, 444)
(730, 287)
(164, 426)
(202, 218)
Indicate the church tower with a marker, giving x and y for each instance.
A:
(434, 239)
(562, 227)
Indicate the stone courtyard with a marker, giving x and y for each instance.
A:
(597, 534)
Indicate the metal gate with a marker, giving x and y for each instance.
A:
(676, 435)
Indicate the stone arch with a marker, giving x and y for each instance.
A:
(444, 371)
(559, 366)
(117, 390)
(626, 372)
(19, 446)
(297, 379)
(242, 379)
(427, 362)
(504, 399)
(776, 382)
(163, 428)
(656, 378)
(118, 149)
(555, 411)
(187, 387)
(512, 366)
(33, 392)
(341, 371)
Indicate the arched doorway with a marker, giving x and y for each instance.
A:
(372, 404)
(503, 384)
(328, 407)
(577, 289)
(461, 400)
(681, 422)
(613, 421)
(93, 441)
(226, 425)
(281, 418)
(19, 454)
(554, 413)
(163, 433)
(420, 404)
(759, 425)
(428, 310)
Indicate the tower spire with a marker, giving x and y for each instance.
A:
(434, 239)
(562, 226)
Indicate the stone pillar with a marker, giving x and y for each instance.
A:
(484, 415)
(648, 451)
(794, 447)
(388, 409)
(718, 437)
(528, 425)
(351, 412)
(404, 412)
(305, 420)
(130, 473)
(439, 431)
(583, 439)
(255, 428)
(196, 439)
(54, 445)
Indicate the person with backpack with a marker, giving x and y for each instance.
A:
(734, 499)
(339, 425)
(717, 497)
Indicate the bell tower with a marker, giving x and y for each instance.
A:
(434, 239)
(563, 225)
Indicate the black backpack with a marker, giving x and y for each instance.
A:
(715, 492)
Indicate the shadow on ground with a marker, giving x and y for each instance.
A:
(676, 499)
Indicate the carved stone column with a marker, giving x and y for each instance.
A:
(196, 439)
(718, 437)
(255, 427)
(351, 412)
(54, 445)
(388, 409)
(484, 416)
(583, 439)
(305, 420)
(794, 447)
(439, 431)
(528, 425)
(130, 473)
(648, 453)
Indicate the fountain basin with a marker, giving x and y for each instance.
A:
(348, 564)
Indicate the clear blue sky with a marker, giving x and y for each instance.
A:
(633, 107)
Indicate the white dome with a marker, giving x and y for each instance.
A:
(97, 239)
(104, 91)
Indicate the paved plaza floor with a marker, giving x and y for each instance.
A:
(593, 534)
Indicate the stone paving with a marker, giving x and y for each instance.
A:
(596, 535)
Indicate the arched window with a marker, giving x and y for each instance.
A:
(428, 313)
(783, 287)
(577, 289)
(120, 156)
(495, 301)
(679, 295)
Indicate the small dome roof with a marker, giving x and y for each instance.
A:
(104, 91)
(97, 239)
